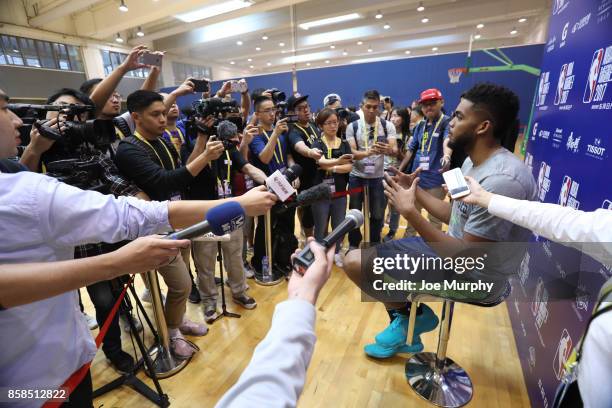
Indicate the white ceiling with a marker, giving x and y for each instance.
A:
(214, 40)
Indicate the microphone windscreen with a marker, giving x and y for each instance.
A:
(293, 172)
(225, 218)
(319, 192)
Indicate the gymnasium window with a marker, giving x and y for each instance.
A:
(182, 71)
(32, 53)
(112, 59)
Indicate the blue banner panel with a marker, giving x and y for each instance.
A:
(569, 153)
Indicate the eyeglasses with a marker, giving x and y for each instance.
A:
(267, 111)
(332, 123)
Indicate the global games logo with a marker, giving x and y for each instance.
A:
(543, 88)
(568, 193)
(600, 74)
(564, 350)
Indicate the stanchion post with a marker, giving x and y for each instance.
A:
(366, 213)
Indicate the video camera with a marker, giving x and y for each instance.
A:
(98, 132)
(278, 97)
(214, 107)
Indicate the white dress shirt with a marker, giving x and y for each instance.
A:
(276, 374)
(43, 343)
(564, 225)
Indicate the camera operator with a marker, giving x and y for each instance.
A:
(302, 136)
(269, 151)
(245, 99)
(42, 220)
(43, 152)
(154, 165)
(371, 138)
(218, 181)
(345, 116)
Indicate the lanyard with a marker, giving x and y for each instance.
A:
(169, 133)
(306, 133)
(367, 136)
(329, 148)
(280, 147)
(229, 168)
(426, 135)
(142, 139)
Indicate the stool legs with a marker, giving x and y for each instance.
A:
(435, 377)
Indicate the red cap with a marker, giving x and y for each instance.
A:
(430, 94)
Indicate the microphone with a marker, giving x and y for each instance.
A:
(280, 183)
(354, 219)
(220, 220)
(320, 192)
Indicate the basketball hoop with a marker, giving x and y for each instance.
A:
(454, 74)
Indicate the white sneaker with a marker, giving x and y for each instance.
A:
(91, 321)
(145, 296)
(338, 261)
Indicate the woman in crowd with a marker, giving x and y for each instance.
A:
(401, 119)
(334, 168)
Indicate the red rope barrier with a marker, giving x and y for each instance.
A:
(75, 379)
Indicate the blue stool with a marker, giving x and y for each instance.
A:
(433, 376)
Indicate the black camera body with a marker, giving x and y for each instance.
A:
(214, 106)
(277, 95)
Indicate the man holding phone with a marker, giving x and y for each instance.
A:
(484, 118)
(370, 138)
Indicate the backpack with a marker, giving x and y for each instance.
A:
(284, 244)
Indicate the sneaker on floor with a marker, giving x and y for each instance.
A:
(192, 328)
(338, 260)
(245, 301)
(249, 273)
(194, 295)
(375, 350)
(91, 321)
(389, 237)
(180, 347)
(210, 313)
(145, 296)
(121, 361)
(126, 325)
(396, 333)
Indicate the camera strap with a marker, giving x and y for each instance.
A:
(308, 136)
(426, 135)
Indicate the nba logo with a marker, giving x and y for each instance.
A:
(589, 91)
(565, 190)
(560, 84)
(607, 205)
(564, 350)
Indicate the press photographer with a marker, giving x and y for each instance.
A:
(219, 181)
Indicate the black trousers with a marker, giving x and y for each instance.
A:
(284, 220)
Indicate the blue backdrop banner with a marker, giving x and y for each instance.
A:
(568, 150)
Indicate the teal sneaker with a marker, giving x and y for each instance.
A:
(375, 350)
(396, 333)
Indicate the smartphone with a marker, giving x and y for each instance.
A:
(201, 85)
(456, 184)
(151, 59)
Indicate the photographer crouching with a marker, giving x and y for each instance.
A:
(218, 181)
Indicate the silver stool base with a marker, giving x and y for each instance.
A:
(449, 387)
(268, 283)
(164, 363)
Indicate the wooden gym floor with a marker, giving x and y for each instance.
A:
(340, 375)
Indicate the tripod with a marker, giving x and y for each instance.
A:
(156, 396)
(224, 311)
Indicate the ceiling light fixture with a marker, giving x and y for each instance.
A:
(329, 21)
(479, 26)
(332, 46)
(424, 20)
(250, 59)
(119, 39)
(239, 42)
(344, 53)
(257, 48)
(370, 50)
(308, 64)
(387, 26)
(140, 33)
(514, 31)
(281, 44)
(265, 37)
(407, 52)
(421, 7)
(359, 42)
(477, 37)
(434, 49)
(378, 15)
(327, 61)
(522, 20)
(269, 64)
(123, 7)
(251, 66)
(232, 62)
(214, 10)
